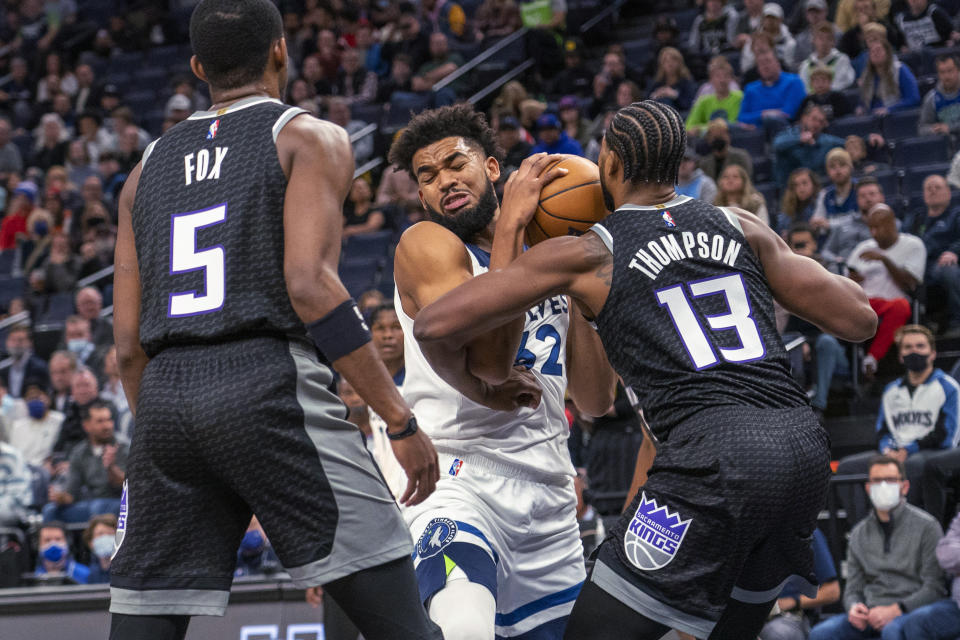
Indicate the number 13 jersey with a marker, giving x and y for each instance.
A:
(208, 223)
(689, 320)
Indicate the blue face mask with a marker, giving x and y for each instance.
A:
(54, 552)
(41, 229)
(252, 542)
(37, 408)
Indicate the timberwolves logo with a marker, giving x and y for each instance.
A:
(668, 219)
(212, 131)
(121, 520)
(654, 535)
(438, 534)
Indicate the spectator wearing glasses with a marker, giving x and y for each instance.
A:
(892, 567)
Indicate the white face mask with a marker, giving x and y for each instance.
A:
(885, 495)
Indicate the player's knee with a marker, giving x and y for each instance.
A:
(465, 611)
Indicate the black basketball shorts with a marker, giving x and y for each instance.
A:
(728, 511)
(229, 430)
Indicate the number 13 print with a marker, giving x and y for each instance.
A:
(739, 318)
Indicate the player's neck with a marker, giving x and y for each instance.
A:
(646, 196)
(484, 239)
(223, 98)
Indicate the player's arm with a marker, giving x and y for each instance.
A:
(318, 161)
(591, 381)
(557, 266)
(835, 304)
(131, 359)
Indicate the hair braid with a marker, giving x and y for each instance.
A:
(649, 138)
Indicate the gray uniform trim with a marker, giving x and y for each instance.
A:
(608, 580)
(601, 231)
(175, 602)
(147, 152)
(370, 530)
(285, 118)
(759, 597)
(733, 219)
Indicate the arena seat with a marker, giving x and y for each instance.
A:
(10, 287)
(861, 126)
(7, 259)
(889, 181)
(359, 274)
(914, 176)
(367, 245)
(752, 140)
(59, 306)
(901, 124)
(925, 150)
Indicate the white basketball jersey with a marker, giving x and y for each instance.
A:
(532, 438)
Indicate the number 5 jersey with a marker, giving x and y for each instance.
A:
(689, 320)
(208, 223)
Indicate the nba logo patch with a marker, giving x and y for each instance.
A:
(212, 131)
(654, 535)
(439, 533)
(455, 467)
(668, 219)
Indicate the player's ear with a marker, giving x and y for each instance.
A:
(197, 69)
(279, 51)
(423, 203)
(493, 168)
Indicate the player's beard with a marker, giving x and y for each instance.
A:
(469, 222)
(607, 196)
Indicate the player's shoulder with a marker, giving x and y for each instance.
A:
(429, 242)
(305, 130)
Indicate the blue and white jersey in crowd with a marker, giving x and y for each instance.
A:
(924, 417)
(532, 438)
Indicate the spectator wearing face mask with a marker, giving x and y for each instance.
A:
(722, 152)
(54, 557)
(918, 418)
(35, 434)
(255, 555)
(99, 538)
(78, 339)
(892, 567)
(25, 365)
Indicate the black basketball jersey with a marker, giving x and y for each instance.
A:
(689, 321)
(208, 223)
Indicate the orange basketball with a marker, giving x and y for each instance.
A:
(569, 205)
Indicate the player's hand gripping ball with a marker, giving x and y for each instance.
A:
(570, 204)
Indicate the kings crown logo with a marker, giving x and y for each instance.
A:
(654, 535)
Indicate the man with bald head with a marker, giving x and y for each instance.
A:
(888, 266)
(938, 225)
(89, 303)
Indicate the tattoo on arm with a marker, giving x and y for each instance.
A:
(597, 254)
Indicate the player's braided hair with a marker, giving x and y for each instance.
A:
(650, 139)
(430, 126)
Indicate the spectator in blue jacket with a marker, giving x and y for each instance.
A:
(938, 225)
(804, 145)
(887, 84)
(774, 99)
(54, 557)
(553, 139)
(917, 422)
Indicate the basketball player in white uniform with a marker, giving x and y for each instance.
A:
(497, 552)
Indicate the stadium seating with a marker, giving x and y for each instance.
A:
(925, 150)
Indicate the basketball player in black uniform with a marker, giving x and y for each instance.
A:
(227, 292)
(682, 296)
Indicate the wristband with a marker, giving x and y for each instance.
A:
(340, 332)
(406, 433)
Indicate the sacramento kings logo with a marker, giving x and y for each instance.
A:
(439, 533)
(654, 535)
(121, 520)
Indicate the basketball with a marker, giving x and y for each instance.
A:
(569, 205)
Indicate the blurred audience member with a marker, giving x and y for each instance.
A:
(863, 164)
(574, 124)
(804, 145)
(89, 305)
(722, 153)
(773, 100)
(692, 181)
(25, 364)
(940, 111)
(847, 232)
(35, 434)
(784, 45)
(721, 103)
(16, 495)
(853, 42)
(799, 199)
(838, 199)
(815, 14)
(833, 103)
(97, 470)
(54, 559)
(924, 24)
(99, 539)
(359, 213)
(673, 84)
(887, 84)
(551, 138)
(825, 54)
(63, 365)
(715, 30)
(736, 190)
(18, 208)
(575, 78)
(942, 618)
(256, 556)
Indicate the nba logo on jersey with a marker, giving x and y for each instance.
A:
(212, 131)
(654, 535)
(439, 533)
(668, 219)
(455, 467)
